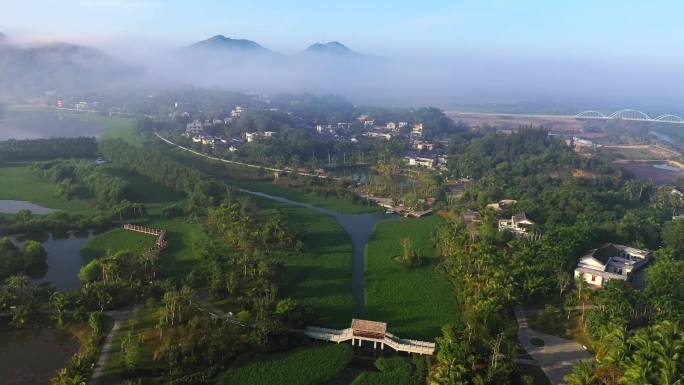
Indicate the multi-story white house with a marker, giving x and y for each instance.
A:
(610, 261)
(518, 224)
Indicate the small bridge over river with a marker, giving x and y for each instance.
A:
(375, 332)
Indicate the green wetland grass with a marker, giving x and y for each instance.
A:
(415, 301)
(320, 276)
(310, 365)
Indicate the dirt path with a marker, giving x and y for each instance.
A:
(119, 317)
(558, 355)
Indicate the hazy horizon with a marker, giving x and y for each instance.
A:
(608, 55)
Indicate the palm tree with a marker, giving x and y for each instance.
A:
(582, 374)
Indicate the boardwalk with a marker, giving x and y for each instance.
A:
(381, 339)
(558, 355)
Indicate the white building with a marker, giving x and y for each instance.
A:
(421, 161)
(236, 112)
(610, 261)
(378, 135)
(368, 123)
(417, 130)
(391, 126)
(251, 136)
(518, 224)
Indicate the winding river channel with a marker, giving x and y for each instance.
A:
(358, 226)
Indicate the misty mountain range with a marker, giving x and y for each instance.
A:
(64, 67)
(416, 78)
(221, 44)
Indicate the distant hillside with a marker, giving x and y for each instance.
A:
(330, 48)
(56, 66)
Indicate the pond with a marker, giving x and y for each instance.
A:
(63, 257)
(359, 227)
(43, 124)
(32, 356)
(13, 207)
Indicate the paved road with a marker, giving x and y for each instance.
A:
(119, 317)
(558, 355)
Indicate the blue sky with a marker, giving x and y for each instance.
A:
(578, 28)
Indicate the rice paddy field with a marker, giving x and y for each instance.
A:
(415, 301)
(310, 365)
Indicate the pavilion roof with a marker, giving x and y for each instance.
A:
(369, 326)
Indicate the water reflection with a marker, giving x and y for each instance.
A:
(63, 257)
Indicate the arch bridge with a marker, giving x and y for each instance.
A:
(632, 115)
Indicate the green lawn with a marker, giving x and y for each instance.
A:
(415, 302)
(18, 183)
(116, 240)
(185, 241)
(306, 366)
(225, 172)
(321, 276)
(338, 204)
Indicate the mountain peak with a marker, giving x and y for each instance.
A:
(220, 43)
(330, 48)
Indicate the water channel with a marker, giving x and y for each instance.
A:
(359, 227)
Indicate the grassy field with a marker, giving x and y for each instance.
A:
(18, 183)
(185, 240)
(341, 205)
(306, 366)
(415, 302)
(321, 276)
(116, 240)
(223, 171)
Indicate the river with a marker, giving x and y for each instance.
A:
(359, 227)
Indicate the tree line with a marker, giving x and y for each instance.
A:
(52, 148)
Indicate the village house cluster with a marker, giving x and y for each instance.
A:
(596, 267)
